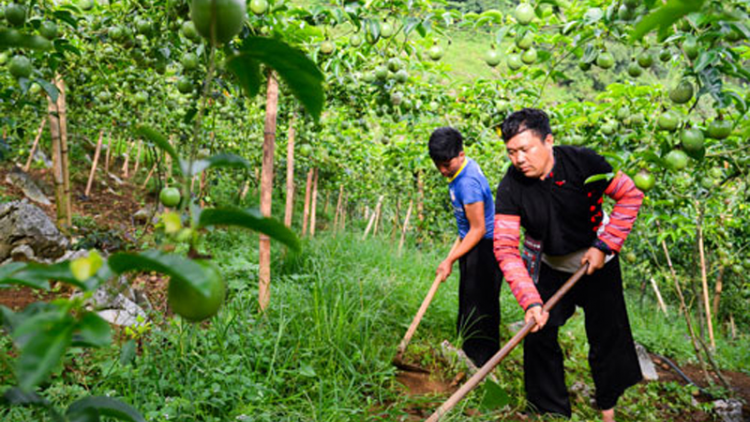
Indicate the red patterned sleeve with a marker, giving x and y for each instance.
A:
(506, 240)
(628, 201)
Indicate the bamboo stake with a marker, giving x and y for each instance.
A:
(290, 173)
(137, 158)
(148, 177)
(338, 208)
(39, 132)
(54, 129)
(93, 165)
(406, 225)
(732, 327)
(62, 113)
(266, 189)
(378, 211)
(125, 165)
(719, 288)
(109, 153)
(306, 211)
(372, 218)
(704, 280)
(658, 297)
(314, 210)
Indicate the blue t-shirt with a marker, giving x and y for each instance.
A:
(469, 186)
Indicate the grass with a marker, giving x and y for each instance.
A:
(323, 350)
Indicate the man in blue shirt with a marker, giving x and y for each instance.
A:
(480, 277)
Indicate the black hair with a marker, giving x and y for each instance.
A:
(531, 119)
(445, 144)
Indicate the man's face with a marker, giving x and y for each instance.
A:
(448, 168)
(530, 154)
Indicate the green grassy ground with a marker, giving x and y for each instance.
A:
(323, 351)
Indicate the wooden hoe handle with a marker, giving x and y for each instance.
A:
(499, 356)
(418, 316)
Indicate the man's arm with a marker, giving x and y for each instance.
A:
(477, 229)
(507, 235)
(628, 200)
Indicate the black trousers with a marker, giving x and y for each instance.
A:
(479, 302)
(612, 357)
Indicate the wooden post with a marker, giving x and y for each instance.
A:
(372, 219)
(658, 297)
(719, 288)
(378, 211)
(93, 165)
(420, 198)
(314, 211)
(137, 158)
(54, 129)
(704, 280)
(126, 163)
(290, 173)
(62, 113)
(148, 177)
(306, 211)
(266, 189)
(109, 153)
(406, 225)
(36, 143)
(338, 208)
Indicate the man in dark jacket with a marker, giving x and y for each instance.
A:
(546, 192)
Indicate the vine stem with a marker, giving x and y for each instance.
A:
(549, 72)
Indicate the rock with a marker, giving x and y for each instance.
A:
(115, 305)
(22, 253)
(23, 181)
(729, 410)
(647, 365)
(22, 223)
(39, 156)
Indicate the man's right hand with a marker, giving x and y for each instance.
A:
(538, 314)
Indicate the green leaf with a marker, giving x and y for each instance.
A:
(105, 406)
(43, 340)
(495, 396)
(158, 139)
(127, 353)
(247, 71)
(175, 266)
(598, 177)
(17, 397)
(38, 275)
(665, 16)
(92, 331)
(218, 160)
(8, 269)
(49, 88)
(249, 219)
(300, 73)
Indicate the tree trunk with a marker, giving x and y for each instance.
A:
(266, 187)
(704, 281)
(306, 211)
(290, 174)
(93, 165)
(314, 211)
(62, 113)
(34, 146)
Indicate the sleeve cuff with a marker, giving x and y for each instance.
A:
(533, 305)
(602, 246)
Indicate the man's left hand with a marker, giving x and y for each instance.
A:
(445, 268)
(595, 258)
